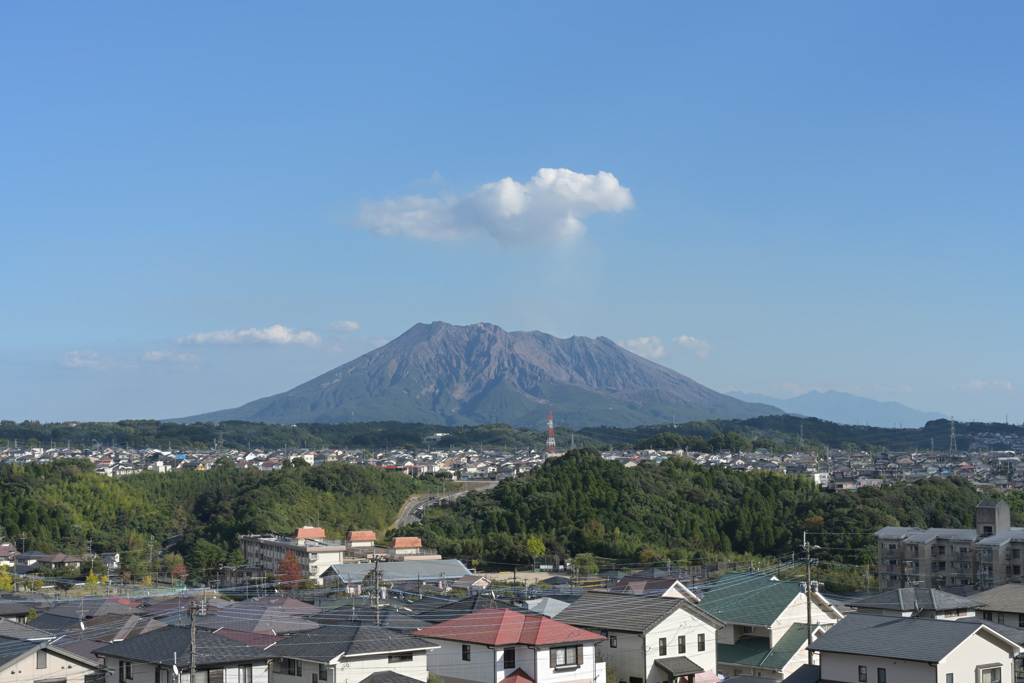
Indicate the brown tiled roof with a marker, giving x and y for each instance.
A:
(406, 542)
(361, 536)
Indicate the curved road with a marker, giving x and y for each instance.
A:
(407, 515)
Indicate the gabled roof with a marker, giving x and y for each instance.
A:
(628, 613)
(329, 642)
(517, 676)
(755, 599)
(913, 599)
(919, 640)
(1006, 598)
(498, 627)
(172, 644)
(467, 605)
(678, 666)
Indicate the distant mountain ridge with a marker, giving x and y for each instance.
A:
(844, 408)
(481, 374)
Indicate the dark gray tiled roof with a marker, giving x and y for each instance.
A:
(627, 613)
(920, 640)
(172, 644)
(467, 605)
(14, 648)
(388, 677)
(12, 629)
(805, 674)
(328, 642)
(910, 599)
(678, 666)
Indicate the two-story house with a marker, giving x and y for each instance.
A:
(506, 646)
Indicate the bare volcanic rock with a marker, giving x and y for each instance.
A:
(481, 374)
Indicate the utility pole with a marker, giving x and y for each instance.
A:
(808, 587)
(192, 609)
(376, 589)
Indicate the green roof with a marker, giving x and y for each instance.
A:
(756, 652)
(753, 599)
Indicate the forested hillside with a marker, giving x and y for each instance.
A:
(64, 505)
(679, 510)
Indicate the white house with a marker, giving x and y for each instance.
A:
(506, 646)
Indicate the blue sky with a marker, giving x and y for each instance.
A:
(207, 204)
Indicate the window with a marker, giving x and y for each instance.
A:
(124, 671)
(987, 616)
(245, 673)
(565, 657)
(662, 647)
(862, 674)
(992, 674)
(949, 678)
(465, 652)
(395, 659)
(881, 675)
(509, 658)
(41, 659)
(321, 673)
(613, 641)
(681, 644)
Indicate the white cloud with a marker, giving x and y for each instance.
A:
(84, 359)
(648, 347)
(169, 357)
(275, 334)
(698, 346)
(548, 208)
(343, 326)
(979, 385)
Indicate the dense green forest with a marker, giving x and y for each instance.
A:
(681, 511)
(578, 504)
(775, 432)
(65, 506)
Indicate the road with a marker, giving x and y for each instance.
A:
(408, 513)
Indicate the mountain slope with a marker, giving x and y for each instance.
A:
(481, 374)
(843, 408)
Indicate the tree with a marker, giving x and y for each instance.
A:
(535, 546)
(585, 564)
(179, 572)
(289, 571)
(92, 580)
(6, 580)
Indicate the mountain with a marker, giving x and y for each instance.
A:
(481, 374)
(838, 406)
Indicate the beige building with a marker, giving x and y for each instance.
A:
(310, 546)
(991, 554)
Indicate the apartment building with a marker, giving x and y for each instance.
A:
(310, 546)
(988, 555)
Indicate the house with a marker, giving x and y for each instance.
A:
(350, 575)
(37, 660)
(160, 656)
(349, 652)
(765, 627)
(648, 640)
(1003, 604)
(926, 603)
(865, 647)
(665, 587)
(505, 646)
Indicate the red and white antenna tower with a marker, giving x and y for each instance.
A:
(551, 433)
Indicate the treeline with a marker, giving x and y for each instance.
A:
(65, 506)
(774, 432)
(684, 512)
(789, 432)
(241, 435)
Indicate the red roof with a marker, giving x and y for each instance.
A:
(310, 532)
(361, 536)
(517, 676)
(502, 627)
(406, 542)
